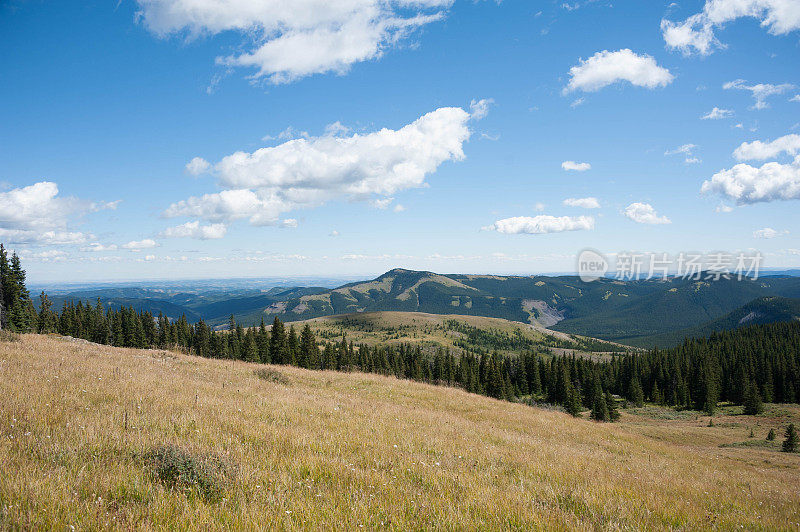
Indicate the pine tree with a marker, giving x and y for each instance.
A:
(752, 400)
(636, 393)
(611, 406)
(600, 409)
(309, 352)
(790, 444)
(277, 343)
(573, 404)
(771, 435)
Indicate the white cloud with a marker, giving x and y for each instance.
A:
(687, 150)
(577, 167)
(268, 182)
(97, 247)
(760, 91)
(289, 223)
(585, 203)
(747, 184)
(138, 245)
(768, 233)
(381, 203)
(104, 206)
(480, 108)
(723, 208)
(288, 40)
(51, 255)
(644, 213)
(197, 166)
(541, 224)
(334, 233)
(766, 150)
(795, 98)
(539, 206)
(717, 114)
(606, 68)
(195, 230)
(696, 33)
(36, 214)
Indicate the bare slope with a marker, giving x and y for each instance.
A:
(328, 450)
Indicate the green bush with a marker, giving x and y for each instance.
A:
(181, 470)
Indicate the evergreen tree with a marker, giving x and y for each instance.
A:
(636, 394)
(611, 406)
(790, 444)
(573, 404)
(277, 343)
(752, 400)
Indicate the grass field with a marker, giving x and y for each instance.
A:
(281, 448)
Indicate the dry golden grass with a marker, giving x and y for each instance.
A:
(330, 450)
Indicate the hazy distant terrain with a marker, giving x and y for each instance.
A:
(634, 312)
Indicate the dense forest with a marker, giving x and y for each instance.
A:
(746, 366)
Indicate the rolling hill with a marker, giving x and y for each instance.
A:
(454, 332)
(101, 442)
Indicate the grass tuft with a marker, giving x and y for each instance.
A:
(181, 470)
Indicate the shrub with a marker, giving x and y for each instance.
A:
(771, 435)
(182, 470)
(271, 375)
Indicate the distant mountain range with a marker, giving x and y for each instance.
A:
(637, 312)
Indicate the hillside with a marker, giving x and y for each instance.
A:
(453, 332)
(309, 449)
(757, 312)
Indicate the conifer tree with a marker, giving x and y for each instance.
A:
(277, 343)
(636, 393)
(752, 400)
(573, 405)
(790, 444)
(611, 405)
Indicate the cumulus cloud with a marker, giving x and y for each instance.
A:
(606, 68)
(541, 224)
(576, 167)
(747, 184)
(138, 245)
(285, 41)
(758, 150)
(197, 166)
(306, 172)
(584, 203)
(768, 233)
(289, 223)
(50, 255)
(195, 230)
(36, 214)
(760, 91)
(696, 33)
(644, 213)
(717, 114)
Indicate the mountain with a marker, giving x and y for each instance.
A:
(631, 312)
(760, 311)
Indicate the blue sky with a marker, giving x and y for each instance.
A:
(452, 121)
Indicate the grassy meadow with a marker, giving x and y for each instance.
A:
(83, 427)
